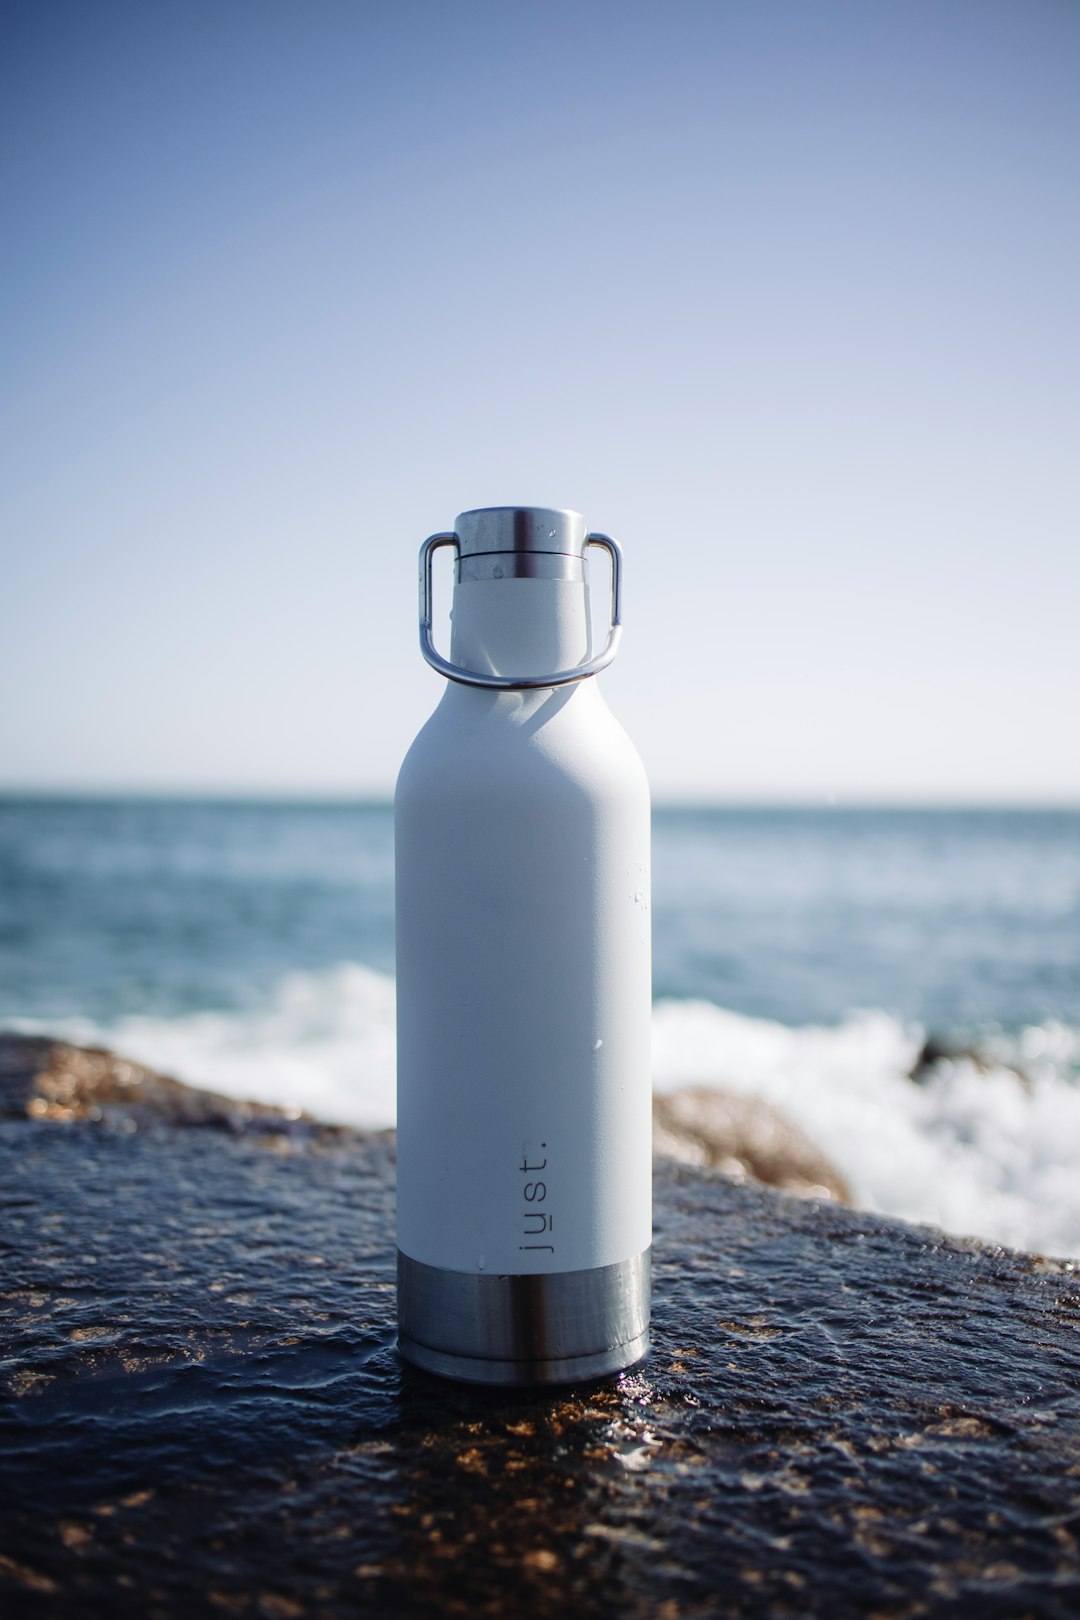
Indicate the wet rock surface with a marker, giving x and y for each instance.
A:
(204, 1413)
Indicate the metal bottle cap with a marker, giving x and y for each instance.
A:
(519, 530)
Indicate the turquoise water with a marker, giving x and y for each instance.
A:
(959, 919)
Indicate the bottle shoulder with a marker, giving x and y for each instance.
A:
(566, 739)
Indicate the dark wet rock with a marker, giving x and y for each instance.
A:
(932, 1052)
(745, 1138)
(204, 1414)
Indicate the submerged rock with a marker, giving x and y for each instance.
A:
(745, 1138)
(204, 1413)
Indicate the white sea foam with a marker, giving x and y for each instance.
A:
(323, 1042)
(977, 1150)
(974, 1149)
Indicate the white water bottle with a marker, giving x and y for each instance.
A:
(523, 977)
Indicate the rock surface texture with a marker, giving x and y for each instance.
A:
(204, 1413)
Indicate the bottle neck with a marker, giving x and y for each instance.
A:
(520, 626)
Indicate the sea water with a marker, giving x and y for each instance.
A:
(803, 956)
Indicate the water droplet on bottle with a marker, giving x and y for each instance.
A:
(481, 1261)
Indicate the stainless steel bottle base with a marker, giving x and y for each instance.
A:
(553, 1329)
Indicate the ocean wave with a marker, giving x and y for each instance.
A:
(983, 1144)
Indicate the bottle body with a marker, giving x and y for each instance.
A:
(524, 996)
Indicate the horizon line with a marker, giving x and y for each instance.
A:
(383, 798)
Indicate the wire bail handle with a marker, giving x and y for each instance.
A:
(513, 683)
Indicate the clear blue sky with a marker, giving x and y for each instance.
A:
(782, 293)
